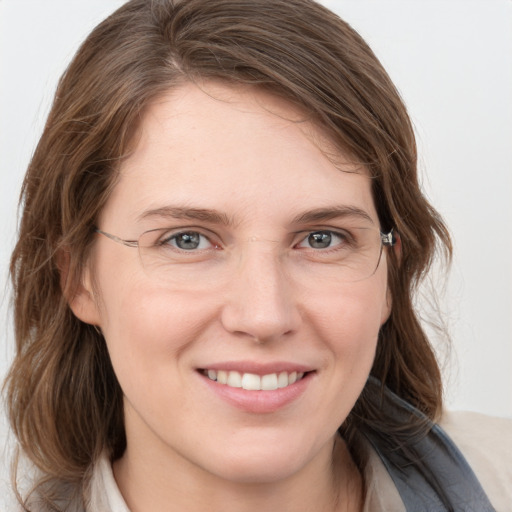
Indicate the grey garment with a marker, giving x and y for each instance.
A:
(428, 470)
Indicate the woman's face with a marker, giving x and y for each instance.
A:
(250, 285)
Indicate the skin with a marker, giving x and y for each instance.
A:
(256, 294)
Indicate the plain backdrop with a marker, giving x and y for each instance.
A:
(451, 61)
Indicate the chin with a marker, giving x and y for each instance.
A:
(264, 461)
(259, 471)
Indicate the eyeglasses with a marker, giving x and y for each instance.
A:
(347, 254)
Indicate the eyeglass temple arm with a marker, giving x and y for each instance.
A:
(128, 243)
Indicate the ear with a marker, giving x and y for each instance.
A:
(80, 297)
(386, 310)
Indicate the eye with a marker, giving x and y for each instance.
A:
(188, 241)
(322, 240)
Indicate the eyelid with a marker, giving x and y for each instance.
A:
(328, 229)
(174, 238)
(168, 233)
(304, 235)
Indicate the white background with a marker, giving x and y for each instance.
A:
(452, 62)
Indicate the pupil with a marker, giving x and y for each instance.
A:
(320, 240)
(188, 241)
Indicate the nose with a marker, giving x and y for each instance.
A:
(260, 303)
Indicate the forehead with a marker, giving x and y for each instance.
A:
(238, 149)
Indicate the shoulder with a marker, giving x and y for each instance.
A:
(486, 443)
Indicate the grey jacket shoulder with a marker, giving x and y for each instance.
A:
(428, 467)
(486, 443)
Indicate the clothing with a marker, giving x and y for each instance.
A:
(463, 464)
(486, 444)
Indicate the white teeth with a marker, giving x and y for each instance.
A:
(282, 380)
(269, 382)
(234, 380)
(222, 377)
(253, 382)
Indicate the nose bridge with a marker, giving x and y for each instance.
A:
(260, 302)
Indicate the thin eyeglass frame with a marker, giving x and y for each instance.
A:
(387, 240)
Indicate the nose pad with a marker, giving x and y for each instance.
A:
(260, 304)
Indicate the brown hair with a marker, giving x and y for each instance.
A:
(64, 401)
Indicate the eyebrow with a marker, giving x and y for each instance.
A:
(216, 217)
(179, 212)
(329, 213)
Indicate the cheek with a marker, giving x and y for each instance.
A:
(139, 316)
(148, 330)
(146, 333)
(358, 309)
(349, 322)
(151, 321)
(346, 326)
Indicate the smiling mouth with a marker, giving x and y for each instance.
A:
(253, 382)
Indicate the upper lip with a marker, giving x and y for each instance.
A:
(258, 368)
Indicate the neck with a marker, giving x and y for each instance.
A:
(330, 483)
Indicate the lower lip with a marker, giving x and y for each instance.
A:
(259, 402)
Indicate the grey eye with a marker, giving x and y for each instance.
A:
(188, 241)
(320, 239)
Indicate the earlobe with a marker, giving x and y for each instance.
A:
(386, 311)
(80, 296)
(84, 306)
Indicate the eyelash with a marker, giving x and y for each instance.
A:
(168, 238)
(342, 236)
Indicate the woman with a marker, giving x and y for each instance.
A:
(221, 237)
